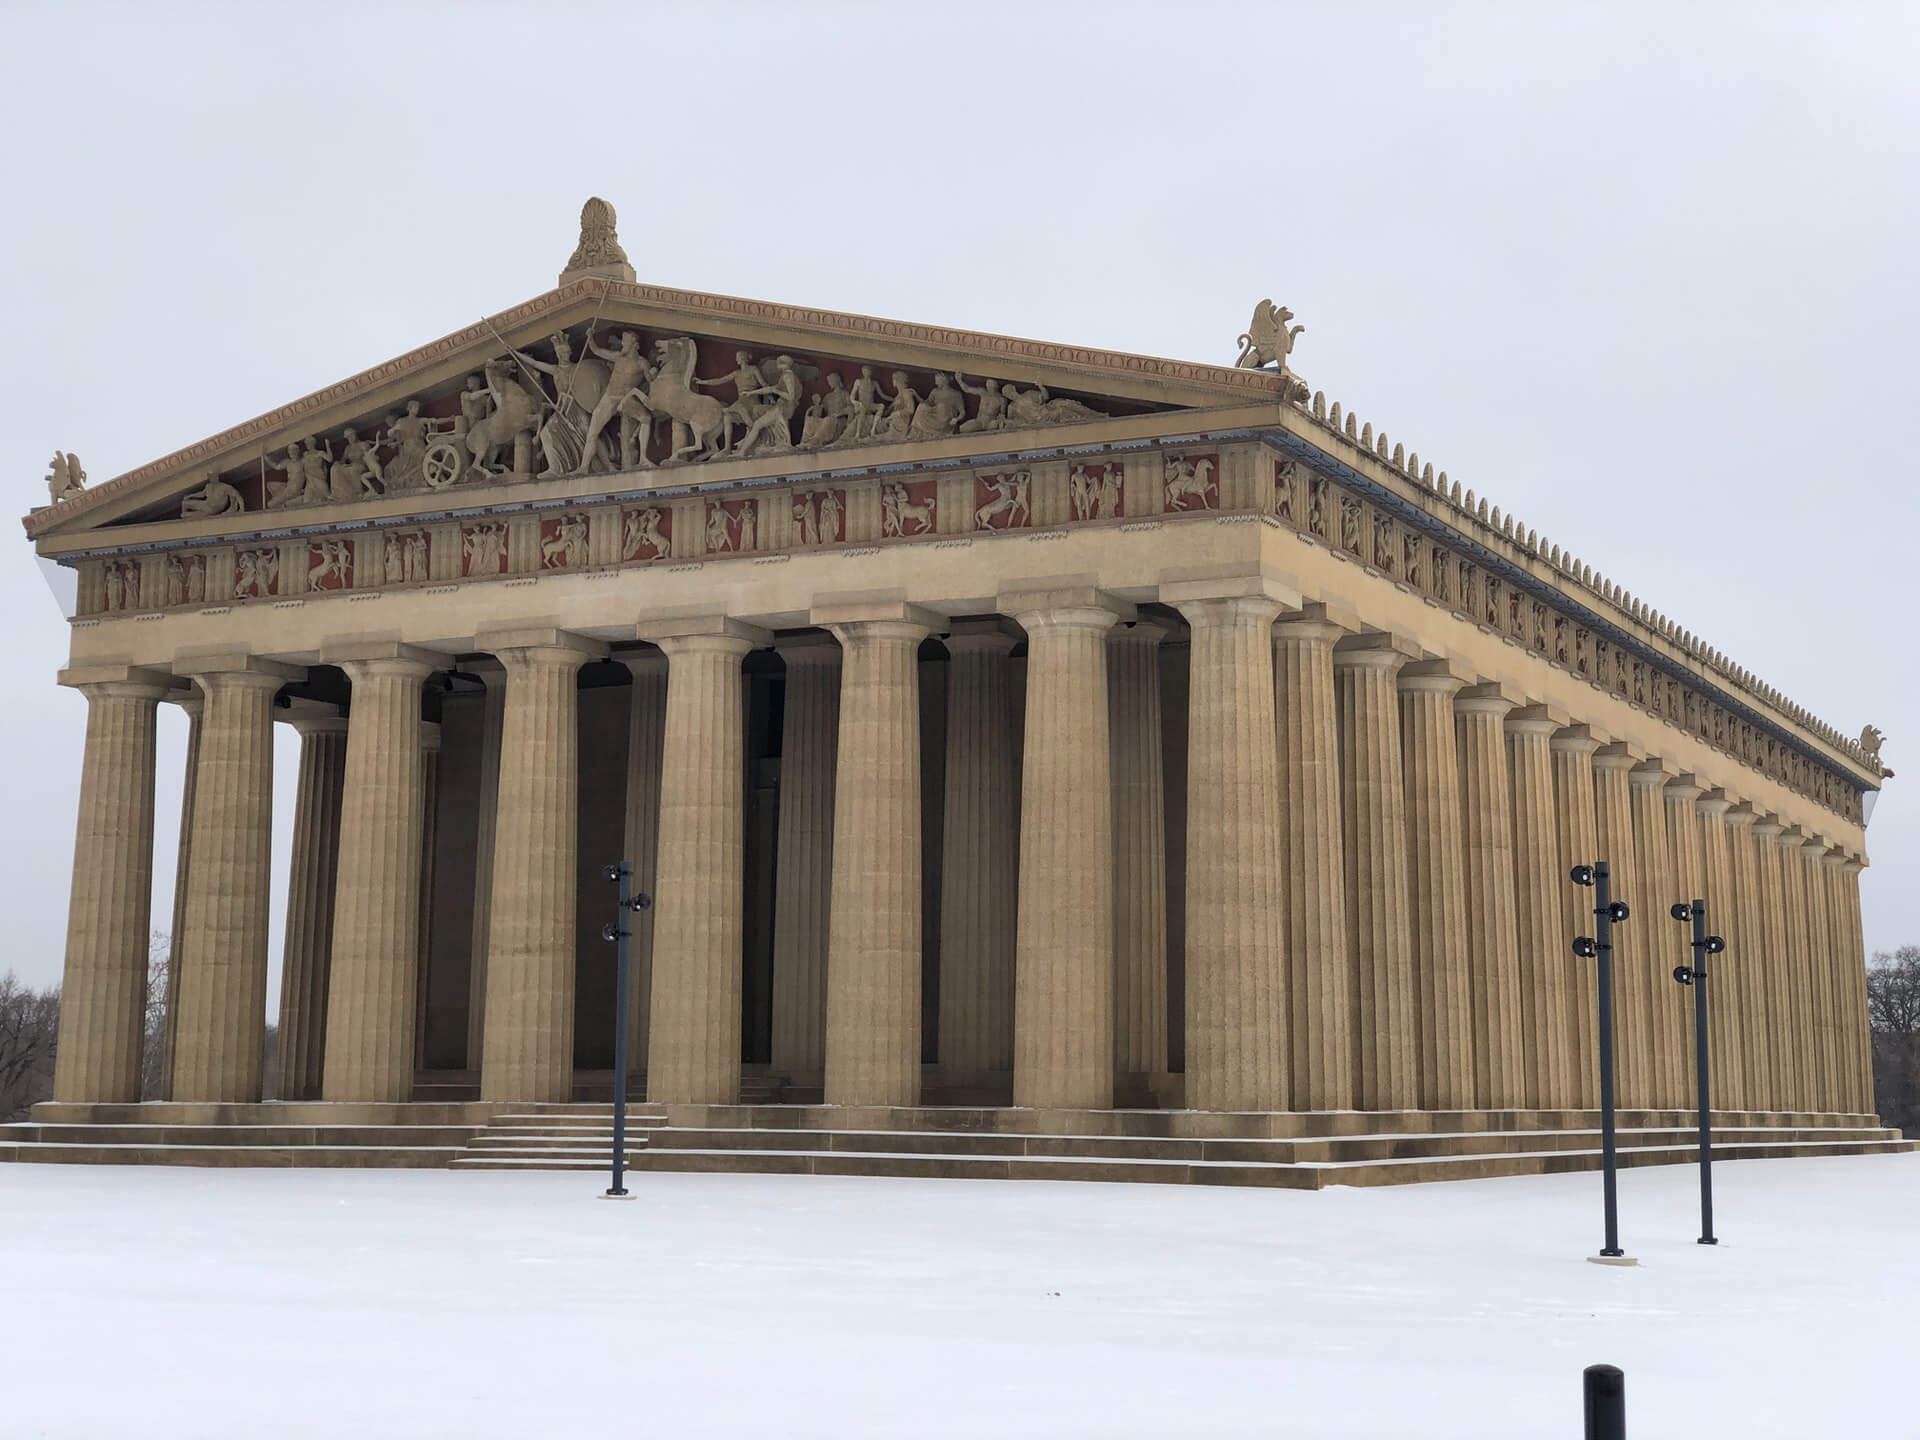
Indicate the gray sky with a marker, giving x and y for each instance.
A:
(1644, 277)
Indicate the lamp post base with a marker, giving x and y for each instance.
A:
(1611, 1260)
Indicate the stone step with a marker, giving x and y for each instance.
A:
(402, 1136)
(360, 1157)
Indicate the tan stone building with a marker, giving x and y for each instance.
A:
(996, 722)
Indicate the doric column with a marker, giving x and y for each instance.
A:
(223, 954)
(1820, 975)
(646, 735)
(873, 929)
(1614, 843)
(307, 946)
(1373, 825)
(193, 702)
(1544, 964)
(1577, 842)
(1313, 866)
(1801, 1036)
(803, 873)
(1236, 1002)
(103, 993)
(1500, 1044)
(528, 1052)
(1774, 970)
(1725, 1003)
(1437, 886)
(699, 916)
(1063, 950)
(1652, 1006)
(1686, 879)
(486, 808)
(1854, 961)
(429, 847)
(373, 985)
(1744, 963)
(1139, 851)
(980, 856)
(1827, 867)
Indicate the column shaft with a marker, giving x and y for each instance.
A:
(1744, 964)
(223, 977)
(1820, 977)
(1502, 1052)
(1725, 1001)
(1544, 964)
(980, 858)
(1651, 953)
(1775, 969)
(528, 1050)
(193, 703)
(1139, 852)
(693, 1053)
(1854, 1020)
(1437, 887)
(1373, 822)
(492, 722)
(1614, 842)
(429, 848)
(873, 946)
(1577, 842)
(1063, 951)
(307, 948)
(1798, 986)
(1686, 879)
(646, 735)
(1236, 1004)
(1320, 990)
(803, 876)
(373, 984)
(103, 994)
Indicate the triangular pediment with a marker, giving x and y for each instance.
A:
(704, 381)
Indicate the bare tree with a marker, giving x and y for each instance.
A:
(153, 1050)
(29, 1029)
(1893, 1009)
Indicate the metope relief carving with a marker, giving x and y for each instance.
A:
(330, 565)
(733, 525)
(483, 549)
(186, 577)
(1095, 491)
(907, 508)
(256, 574)
(563, 542)
(1192, 482)
(1003, 501)
(405, 557)
(820, 516)
(646, 534)
(119, 585)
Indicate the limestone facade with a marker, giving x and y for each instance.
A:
(1134, 732)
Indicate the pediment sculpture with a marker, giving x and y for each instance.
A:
(65, 478)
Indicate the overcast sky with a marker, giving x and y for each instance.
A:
(1644, 277)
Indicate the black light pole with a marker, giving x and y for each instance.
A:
(1604, 1402)
(621, 873)
(1607, 912)
(1696, 976)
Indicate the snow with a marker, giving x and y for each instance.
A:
(171, 1302)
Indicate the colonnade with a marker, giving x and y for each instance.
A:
(1375, 913)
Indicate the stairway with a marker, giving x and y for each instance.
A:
(555, 1137)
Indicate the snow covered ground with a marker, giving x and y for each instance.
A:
(166, 1303)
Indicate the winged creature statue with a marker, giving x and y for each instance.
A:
(1268, 341)
(65, 478)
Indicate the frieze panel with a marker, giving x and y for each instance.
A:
(907, 508)
(646, 533)
(1097, 491)
(733, 525)
(1003, 501)
(1192, 482)
(563, 542)
(256, 574)
(483, 549)
(330, 565)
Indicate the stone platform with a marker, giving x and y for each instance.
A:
(1291, 1151)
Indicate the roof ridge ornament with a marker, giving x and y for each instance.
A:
(598, 252)
(1266, 344)
(65, 478)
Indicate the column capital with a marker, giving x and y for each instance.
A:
(1082, 607)
(312, 717)
(1853, 865)
(867, 609)
(530, 638)
(1529, 719)
(1714, 803)
(1684, 788)
(382, 657)
(682, 627)
(1312, 626)
(1814, 845)
(1741, 815)
(809, 647)
(1650, 774)
(652, 661)
(1203, 590)
(238, 667)
(1575, 740)
(995, 635)
(135, 682)
(1436, 677)
(1767, 827)
(1488, 698)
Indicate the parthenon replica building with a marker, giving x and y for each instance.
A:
(997, 724)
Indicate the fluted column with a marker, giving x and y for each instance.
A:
(1501, 1047)
(1820, 951)
(1063, 950)
(307, 945)
(873, 930)
(429, 848)
(223, 955)
(1139, 851)
(1828, 866)
(1373, 825)
(1726, 996)
(103, 995)
(373, 985)
(1855, 961)
(1577, 842)
(646, 735)
(1744, 963)
(1652, 955)
(528, 1053)
(1236, 1002)
(1614, 842)
(193, 702)
(1686, 879)
(1437, 886)
(1775, 969)
(980, 856)
(1544, 966)
(699, 925)
(803, 874)
(487, 808)
(1801, 1034)
(1313, 867)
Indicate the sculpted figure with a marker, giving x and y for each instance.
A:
(1009, 500)
(364, 456)
(749, 525)
(65, 478)
(1110, 490)
(805, 511)
(642, 532)
(394, 557)
(815, 423)
(719, 537)
(314, 467)
(407, 434)
(699, 421)
(900, 514)
(1267, 340)
(216, 497)
(484, 546)
(864, 404)
(626, 380)
(898, 424)
(255, 573)
(748, 383)
(992, 414)
(771, 429)
(940, 413)
(578, 387)
(292, 490)
(475, 402)
(829, 522)
(1038, 407)
(114, 581)
(567, 547)
(335, 561)
(1188, 479)
(514, 408)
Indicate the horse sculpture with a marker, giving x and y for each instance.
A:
(700, 428)
(517, 408)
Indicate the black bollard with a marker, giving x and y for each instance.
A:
(1605, 1394)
